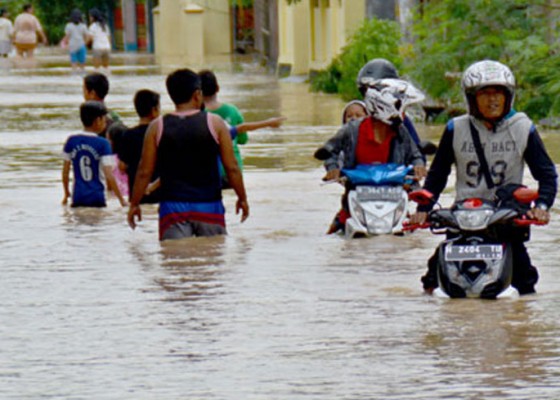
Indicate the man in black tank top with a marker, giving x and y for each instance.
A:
(186, 146)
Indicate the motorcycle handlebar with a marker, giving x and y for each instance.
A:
(528, 222)
(408, 227)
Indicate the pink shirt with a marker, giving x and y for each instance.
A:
(26, 26)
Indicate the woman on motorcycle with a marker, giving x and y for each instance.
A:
(489, 147)
(378, 138)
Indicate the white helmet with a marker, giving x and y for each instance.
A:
(483, 74)
(386, 99)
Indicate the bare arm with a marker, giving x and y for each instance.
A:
(112, 183)
(40, 32)
(275, 122)
(234, 175)
(66, 181)
(144, 175)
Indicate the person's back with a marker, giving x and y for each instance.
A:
(228, 112)
(185, 147)
(101, 39)
(6, 32)
(26, 27)
(91, 160)
(129, 150)
(77, 34)
(187, 159)
(88, 152)
(6, 26)
(96, 88)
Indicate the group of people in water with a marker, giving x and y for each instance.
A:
(78, 37)
(184, 159)
(26, 32)
(187, 188)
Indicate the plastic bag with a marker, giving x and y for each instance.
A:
(378, 174)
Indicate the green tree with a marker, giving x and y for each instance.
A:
(374, 39)
(449, 35)
(54, 14)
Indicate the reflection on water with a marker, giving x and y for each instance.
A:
(192, 267)
(275, 310)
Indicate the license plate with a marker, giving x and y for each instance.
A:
(473, 252)
(379, 193)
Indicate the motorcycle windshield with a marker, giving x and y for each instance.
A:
(378, 174)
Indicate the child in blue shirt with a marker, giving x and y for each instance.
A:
(91, 159)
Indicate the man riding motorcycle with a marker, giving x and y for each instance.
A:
(489, 147)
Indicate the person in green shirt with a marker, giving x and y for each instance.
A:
(228, 112)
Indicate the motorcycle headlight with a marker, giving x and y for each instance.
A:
(398, 213)
(357, 211)
(473, 220)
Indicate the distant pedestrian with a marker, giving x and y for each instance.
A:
(101, 39)
(129, 147)
(96, 87)
(27, 29)
(6, 33)
(76, 37)
(229, 113)
(90, 158)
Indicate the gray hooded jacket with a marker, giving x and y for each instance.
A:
(403, 149)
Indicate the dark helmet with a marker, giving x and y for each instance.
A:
(378, 68)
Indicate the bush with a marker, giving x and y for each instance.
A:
(374, 39)
(449, 35)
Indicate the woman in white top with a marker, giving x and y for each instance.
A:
(6, 33)
(101, 39)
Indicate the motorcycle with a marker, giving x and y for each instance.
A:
(476, 258)
(377, 199)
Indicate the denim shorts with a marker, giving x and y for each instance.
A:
(79, 56)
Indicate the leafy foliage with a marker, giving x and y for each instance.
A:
(374, 39)
(451, 34)
(243, 3)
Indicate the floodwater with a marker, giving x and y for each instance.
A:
(275, 310)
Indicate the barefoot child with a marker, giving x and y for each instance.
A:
(91, 160)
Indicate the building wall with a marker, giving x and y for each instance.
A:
(191, 32)
(313, 32)
(217, 26)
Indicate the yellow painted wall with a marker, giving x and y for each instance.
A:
(189, 32)
(217, 26)
(313, 32)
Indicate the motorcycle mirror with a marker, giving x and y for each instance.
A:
(525, 195)
(422, 197)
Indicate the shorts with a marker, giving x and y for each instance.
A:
(186, 229)
(25, 46)
(102, 55)
(186, 219)
(79, 56)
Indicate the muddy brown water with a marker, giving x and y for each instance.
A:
(276, 310)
